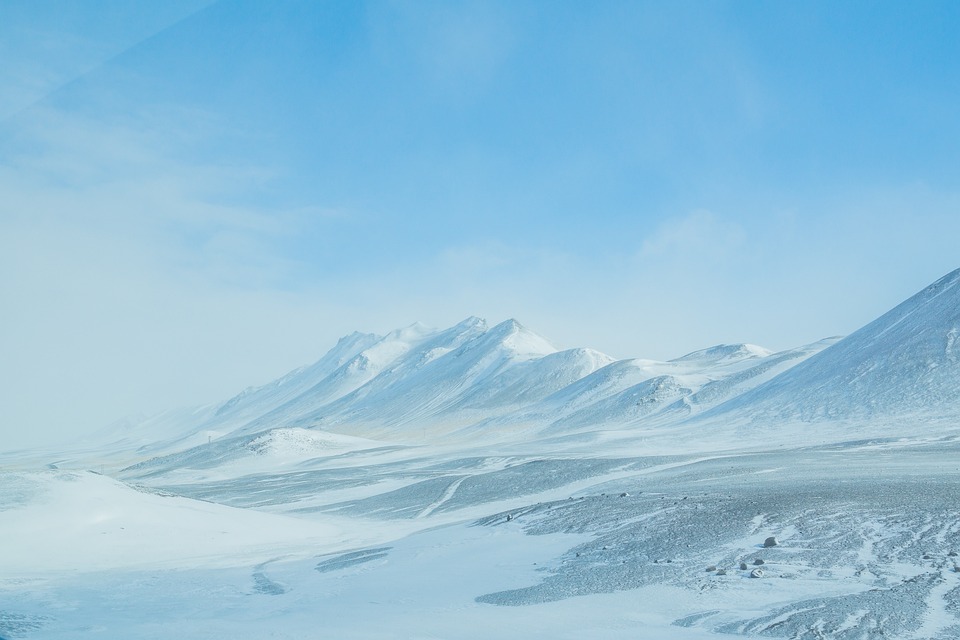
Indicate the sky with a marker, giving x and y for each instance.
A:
(199, 196)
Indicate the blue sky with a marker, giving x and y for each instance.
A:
(199, 196)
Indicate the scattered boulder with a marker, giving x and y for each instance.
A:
(771, 542)
(756, 573)
(721, 572)
(712, 568)
(952, 554)
(927, 556)
(758, 562)
(624, 495)
(743, 566)
(509, 517)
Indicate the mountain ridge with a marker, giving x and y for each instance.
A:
(471, 380)
(905, 361)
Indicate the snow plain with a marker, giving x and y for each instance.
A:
(476, 481)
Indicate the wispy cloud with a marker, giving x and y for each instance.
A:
(459, 47)
(46, 46)
(698, 236)
(134, 279)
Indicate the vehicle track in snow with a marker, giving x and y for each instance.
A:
(452, 489)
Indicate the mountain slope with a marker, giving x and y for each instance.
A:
(429, 383)
(472, 381)
(907, 361)
(252, 402)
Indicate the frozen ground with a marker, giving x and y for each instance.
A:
(504, 488)
(415, 542)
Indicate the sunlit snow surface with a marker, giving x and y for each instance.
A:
(418, 542)
(476, 482)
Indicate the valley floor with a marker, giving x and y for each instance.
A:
(502, 541)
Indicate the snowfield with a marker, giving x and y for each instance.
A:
(476, 482)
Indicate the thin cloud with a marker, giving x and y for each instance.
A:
(699, 234)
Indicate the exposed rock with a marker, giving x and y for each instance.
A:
(756, 573)
(758, 562)
(743, 566)
(770, 542)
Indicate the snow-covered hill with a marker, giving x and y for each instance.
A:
(907, 362)
(470, 379)
(474, 381)
(478, 480)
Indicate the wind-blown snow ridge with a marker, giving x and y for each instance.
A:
(903, 362)
(477, 381)
(473, 379)
(478, 435)
(725, 352)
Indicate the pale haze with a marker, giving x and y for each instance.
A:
(196, 197)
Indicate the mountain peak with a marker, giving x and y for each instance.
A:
(507, 327)
(470, 323)
(410, 333)
(520, 340)
(725, 352)
(354, 338)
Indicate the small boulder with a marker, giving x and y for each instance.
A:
(712, 568)
(624, 495)
(770, 542)
(721, 572)
(743, 566)
(952, 554)
(756, 573)
(758, 562)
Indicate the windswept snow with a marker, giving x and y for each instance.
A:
(476, 480)
(902, 363)
(82, 521)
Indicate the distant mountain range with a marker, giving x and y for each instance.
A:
(473, 380)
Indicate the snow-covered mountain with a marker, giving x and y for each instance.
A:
(420, 384)
(418, 462)
(905, 362)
